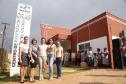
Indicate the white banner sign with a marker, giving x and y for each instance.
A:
(22, 28)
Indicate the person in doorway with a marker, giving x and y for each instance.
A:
(23, 58)
(51, 53)
(123, 50)
(42, 51)
(59, 58)
(33, 58)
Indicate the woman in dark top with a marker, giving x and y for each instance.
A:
(33, 58)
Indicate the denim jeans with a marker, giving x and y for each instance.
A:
(50, 60)
(59, 66)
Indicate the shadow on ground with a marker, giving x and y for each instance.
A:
(94, 83)
(107, 75)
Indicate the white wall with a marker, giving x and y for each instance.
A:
(96, 43)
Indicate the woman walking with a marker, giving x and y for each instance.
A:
(23, 58)
(59, 58)
(51, 53)
(42, 50)
(33, 58)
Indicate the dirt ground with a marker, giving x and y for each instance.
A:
(93, 76)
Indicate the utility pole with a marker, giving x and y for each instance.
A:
(2, 45)
(5, 26)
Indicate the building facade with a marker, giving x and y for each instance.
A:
(98, 32)
(103, 31)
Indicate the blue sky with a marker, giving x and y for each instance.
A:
(65, 13)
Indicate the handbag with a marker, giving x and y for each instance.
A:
(54, 62)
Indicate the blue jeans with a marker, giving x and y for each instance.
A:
(59, 66)
(50, 60)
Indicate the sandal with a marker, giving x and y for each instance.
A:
(22, 82)
(32, 81)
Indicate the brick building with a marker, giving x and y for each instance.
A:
(98, 32)
(103, 31)
(57, 33)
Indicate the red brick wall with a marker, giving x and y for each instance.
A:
(116, 27)
(98, 29)
(93, 31)
(83, 34)
(53, 30)
(74, 42)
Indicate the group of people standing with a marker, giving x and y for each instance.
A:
(98, 59)
(43, 54)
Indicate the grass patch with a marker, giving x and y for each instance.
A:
(4, 77)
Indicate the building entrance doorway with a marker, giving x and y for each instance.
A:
(118, 63)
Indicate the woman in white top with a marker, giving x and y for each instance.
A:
(42, 51)
(59, 58)
(23, 58)
(51, 53)
(90, 57)
(105, 60)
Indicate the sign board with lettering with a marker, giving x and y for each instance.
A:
(22, 28)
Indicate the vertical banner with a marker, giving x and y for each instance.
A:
(22, 28)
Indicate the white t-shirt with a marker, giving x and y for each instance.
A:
(51, 48)
(90, 53)
(42, 50)
(59, 51)
(24, 47)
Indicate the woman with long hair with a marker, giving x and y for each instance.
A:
(51, 53)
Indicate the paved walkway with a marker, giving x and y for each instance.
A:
(93, 76)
